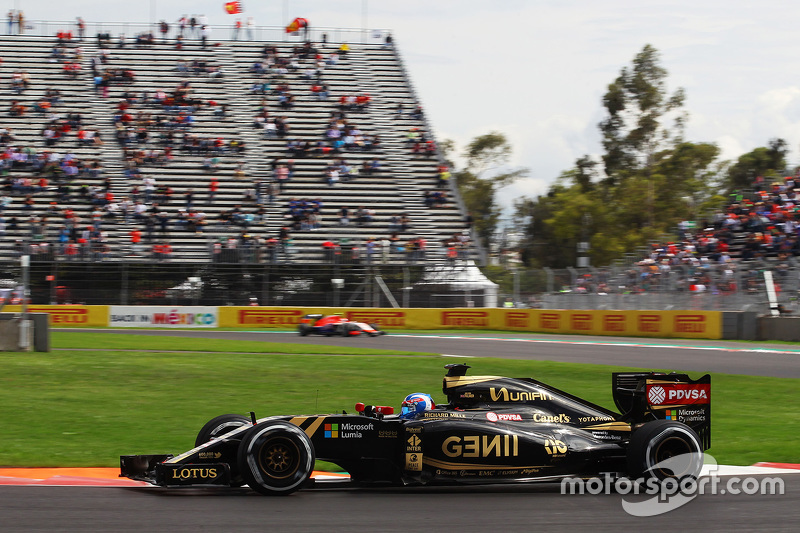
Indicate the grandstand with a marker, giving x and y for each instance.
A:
(150, 137)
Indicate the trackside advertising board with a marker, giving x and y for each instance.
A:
(681, 324)
(163, 316)
(68, 315)
(678, 324)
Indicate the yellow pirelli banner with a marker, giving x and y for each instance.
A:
(68, 315)
(681, 324)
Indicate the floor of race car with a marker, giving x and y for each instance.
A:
(99, 477)
(109, 477)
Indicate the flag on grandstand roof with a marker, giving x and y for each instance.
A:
(296, 24)
(232, 8)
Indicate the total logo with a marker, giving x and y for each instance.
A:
(678, 394)
(494, 417)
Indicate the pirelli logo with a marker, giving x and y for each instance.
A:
(614, 323)
(650, 323)
(270, 316)
(465, 318)
(67, 315)
(581, 321)
(381, 318)
(550, 321)
(690, 323)
(515, 319)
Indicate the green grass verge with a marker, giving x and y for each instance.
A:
(79, 408)
(121, 341)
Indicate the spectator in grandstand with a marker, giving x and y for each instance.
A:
(249, 25)
(364, 216)
(162, 251)
(344, 216)
(81, 26)
(237, 26)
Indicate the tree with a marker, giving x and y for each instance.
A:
(653, 178)
(486, 172)
(637, 104)
(764, 162)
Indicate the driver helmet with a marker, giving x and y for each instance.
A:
(416, 403)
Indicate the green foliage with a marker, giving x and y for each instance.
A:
(637, 104)
(766, 162)
(478, 196)
(486, 156)
(653, 179)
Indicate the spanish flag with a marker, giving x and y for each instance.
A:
(232, 8)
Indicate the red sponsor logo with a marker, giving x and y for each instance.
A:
(690, 323)
(550, 321)
(614, 323)
(465, 318)
(381, 318)
(581, 322)
(68, 315)
(266, 316)
(678, 394)
(650, 323)
(515, 319)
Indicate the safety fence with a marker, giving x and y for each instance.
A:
(216, 32)
(737, 286)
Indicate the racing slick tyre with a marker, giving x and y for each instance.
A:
(219, 426)
(665, 449)
(378, 331)
(303, 329)
(347, 329)
(276, 458)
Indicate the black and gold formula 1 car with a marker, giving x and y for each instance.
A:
(493, 429)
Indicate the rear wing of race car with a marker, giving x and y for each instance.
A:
(643, 396)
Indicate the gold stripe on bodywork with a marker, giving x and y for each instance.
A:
(310, 430)
(460, 466)
(457, 381)
(298, 420)
(613, 426)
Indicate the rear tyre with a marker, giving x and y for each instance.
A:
(276, 458)
(665, 449)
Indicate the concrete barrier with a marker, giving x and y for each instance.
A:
(780, 328)
(38, 332)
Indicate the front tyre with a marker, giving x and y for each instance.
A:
(303, 329)
(219, 426)
(665, 449)
(276, 458)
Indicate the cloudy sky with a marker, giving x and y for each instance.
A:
(536, 70)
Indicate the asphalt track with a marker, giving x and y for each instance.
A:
(506, 508)
(751, 359)
(535, 507)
